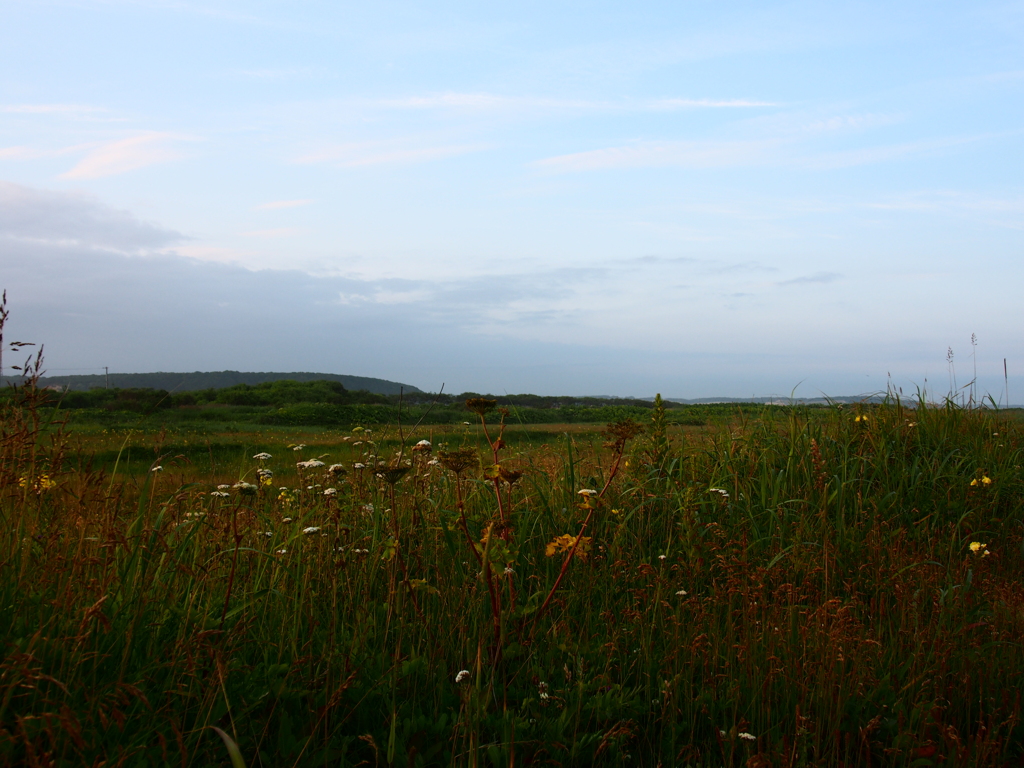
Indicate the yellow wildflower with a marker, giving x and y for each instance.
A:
(977, 546)
(565, 543)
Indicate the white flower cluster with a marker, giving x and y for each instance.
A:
(262, 456)
(310, 464)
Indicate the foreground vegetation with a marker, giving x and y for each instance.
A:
(816, 587)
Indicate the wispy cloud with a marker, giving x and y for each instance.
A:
(273, 233)
(852, 122)
(651, 154)
(277, 204)
(23, 152)
(816, 278)
(668, 104)
(277, 73)
(380, 153)
(490, 101)
(128, 154)
(48, 109)
(849, 158)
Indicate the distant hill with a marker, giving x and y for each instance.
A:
(187, 382)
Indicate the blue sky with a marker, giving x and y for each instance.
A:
(690, 198)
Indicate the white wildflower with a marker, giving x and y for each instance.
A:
(330, 491)
(747, 736)
(724, 493)
(310, 529)
(262, 456)
(586, 492)
(220, 494)
(463, 674)
(358, 465)
(310, 464)
(157, 468)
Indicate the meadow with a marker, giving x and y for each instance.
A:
(762, 587)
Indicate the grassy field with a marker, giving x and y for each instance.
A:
(836, 586)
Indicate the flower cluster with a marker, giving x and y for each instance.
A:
(39, 485)
(566, 542)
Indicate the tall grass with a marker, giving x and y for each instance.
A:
(795, 589)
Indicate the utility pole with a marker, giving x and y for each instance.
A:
(106, 374)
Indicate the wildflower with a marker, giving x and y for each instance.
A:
(286, 520)
(721, 491)
(330, 491)
(588, 492)
(310, 464)
(357, 465)
(422, 446)
(984, 480)
(220, 494)
(662, 557)
(157, 468)
(282, 551)
(310, 529)
(223, 487)
(682, 593)
(433, 463)
(509, 571)
(262, 456)
(463, 674)
(566, 543)
(298, 447)
(337, 469)
(246, 489)
(862, 418)
(749, 736)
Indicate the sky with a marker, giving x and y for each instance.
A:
(699, 199)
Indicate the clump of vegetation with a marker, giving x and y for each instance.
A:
(837, 586)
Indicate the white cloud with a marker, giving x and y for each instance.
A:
(360, 154)
(273, 233)
(22, 152)
(126, 155)
(485, 101)
(659, 154)
(708, 103)
(277, 204)
(48, 109)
